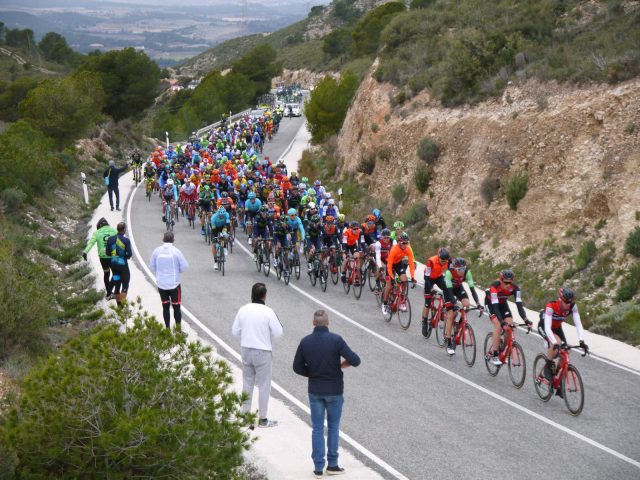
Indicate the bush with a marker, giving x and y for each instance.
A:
(399, 193)
(416, 213)
(632, 243)
(629, 285)
(622, 322)
(138, 402)
(374, 127)
(428, 150)
(422, 178)
(384, 153)
(366, 33)
(586, 254)
(13, 198)
(489, 189)
(515, 188)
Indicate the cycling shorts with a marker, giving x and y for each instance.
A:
(351, 249)
(251, 214)
(429, 283)
(504, 309)
(205, 205)
(315, 241)
(281, 240)
(168, 198)
(261, 232)
(369, 239)
(400, 268)
(330, 242)
(217, 230)
(558, 331)
(459, 292)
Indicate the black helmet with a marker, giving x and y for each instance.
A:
(567, 295)
(102, 223)
(354, 225)
(459, 263)
(507, 275)
(224, 194)
(386, 232)
(404, 237)
(443, 254)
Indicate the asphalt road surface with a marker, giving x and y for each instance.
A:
(426, 414)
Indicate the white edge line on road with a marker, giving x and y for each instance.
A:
(482, 389)
(364, 451)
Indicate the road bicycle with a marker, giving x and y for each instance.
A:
(566, 380)
(221, 244)
(335, 260)
(295, 261)
(190, 212)
(207, 226)
(512, 354)
(354, 277)
(137, 173)
(435, 318)
(262, 256)
(149, 187)
(283, 260)
(464, 334)
(168, 220)
(371, 269)
(400, 304)
(379, 287)
(318, 270)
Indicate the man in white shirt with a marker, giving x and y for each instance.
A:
(167, 263)
(257, 325)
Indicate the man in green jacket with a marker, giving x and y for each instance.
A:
(100, 237)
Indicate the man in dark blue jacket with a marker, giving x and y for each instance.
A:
(113, 174)
(321, 357)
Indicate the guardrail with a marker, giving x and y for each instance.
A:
(231, 118)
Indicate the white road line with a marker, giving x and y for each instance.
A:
(480, 388)
(357, 446)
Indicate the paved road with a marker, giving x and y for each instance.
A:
(425, 414)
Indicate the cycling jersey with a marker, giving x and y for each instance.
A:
(295, 225)
(434, 269)
(497, 296)
(118, 247)
(219, 221)
(101, 236)
(382, 248)
(396, 254)
(554, 314)
(170, 192)
(453, 279)
(351, 237)
(252, 206)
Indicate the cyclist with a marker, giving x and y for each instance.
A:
(219, 225)
(434, 275)
(380, 223)
(280, 234)
(550, 326)
(342, 222)
(295, 227)
(400, 257)
(225, 202)
(169, 196)
(136, 162)
(205, 197)
(251, 208)
(369, 230)
(352, 241)
(262, 228)
(330, 209)
(242, 195)
(382, 248)
(500, 315)
(457, 273)
(188, 193)
(398, 229)
(314, 238)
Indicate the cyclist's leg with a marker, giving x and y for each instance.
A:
(428, 297)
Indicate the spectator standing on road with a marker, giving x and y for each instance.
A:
(167, 263)
(100, 236)
(111, 176)
(321, 357)
(257, 326)
(119, 249)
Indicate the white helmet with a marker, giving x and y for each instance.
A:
(332, 201)
(327, 195)
(170, 181)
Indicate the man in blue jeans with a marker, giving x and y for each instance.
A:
(321, 356)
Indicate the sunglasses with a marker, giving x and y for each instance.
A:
(404, 243)
(508, 282)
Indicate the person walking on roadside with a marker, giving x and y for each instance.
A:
(321, 356)
(257, 326)
(119, 249)
(167, 263)
(100, 236)
(111, 176)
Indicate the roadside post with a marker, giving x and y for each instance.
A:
(85, 190)
(340, 203)
(167, 135)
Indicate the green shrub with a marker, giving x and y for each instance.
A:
(374, 127)
(586, 254)
(629, 285)
(400, 98)
(384, 153)
(415, 214)
(428, 150)
(515, 188)
(13, 198)
(399, 192)
(418, 4)
(632, 243)
(622, 322)
(489, 189)
(138, 402)
(422, 178)
(630, 128)
(366, 33)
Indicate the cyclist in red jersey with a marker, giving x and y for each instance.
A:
(454, 277)
(352, 241)
(550, 325)
(500, 314)
(382, 248)
(434, 270)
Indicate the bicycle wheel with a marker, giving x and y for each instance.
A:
(573, 390)
(346, 285)
(491, 368)
(324, 276)
(312, 274)
(358, 282)
(517, 365)
(542, 384)
(296, 264)
(266, 262)
(404, 311)
(279, 266)
(469, 345)
(440, 330)
(335, 271)
(258, 258)
(372, 272)
(221, 261)
(379, 292)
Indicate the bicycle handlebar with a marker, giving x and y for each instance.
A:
(570, 347)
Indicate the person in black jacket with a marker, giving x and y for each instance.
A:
(321, 357)
(119, 249)
(112, 173)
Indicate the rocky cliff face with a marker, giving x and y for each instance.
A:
(579, 146)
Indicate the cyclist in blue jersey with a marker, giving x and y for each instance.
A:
(219, 224)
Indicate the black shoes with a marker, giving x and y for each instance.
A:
(335, 470)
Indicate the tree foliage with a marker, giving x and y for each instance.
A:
(20, 38)
(515, 188)
(129, 79)
(338, 42)
(122, 403)
(328, 105)
(54, 47)
(366, 34)
(12, 95)
(259, 65)
(64, 108)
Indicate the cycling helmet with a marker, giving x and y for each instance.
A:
(376, 213)
(207, 188)
(404, 237)
(315, 218)
(459, 263)
(285, 179)
(312, 193)
(341, 217)
(311, 205)
(252, 195)
(386, 232)
(187, 180)
(398, 225)
(304, 180)
(327, 195)
(443, 254)
(332, 201)
(507, 275)
(292, 211)
(170, 181)
(371, 218)
(354, 225)
(567, 295)
(224, 194)
(102, 223)
(221, 211)
(243, 186)
(302, 186)
(317, 183)
(329, 219)
(294, 174)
